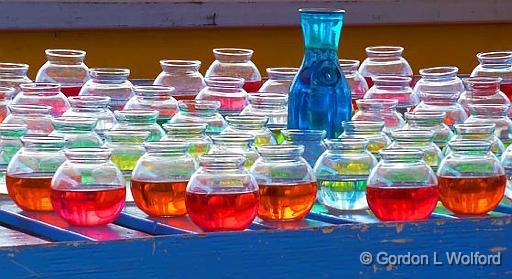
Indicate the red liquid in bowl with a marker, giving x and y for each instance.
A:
(222, 212)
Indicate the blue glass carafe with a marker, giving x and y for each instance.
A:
(319, 97)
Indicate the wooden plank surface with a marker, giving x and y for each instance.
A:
(67, 14)
(11, 238)
(39, 228)
(181, 223)
(50, 226)
(285, 249)
(184, 224)
(305, 253)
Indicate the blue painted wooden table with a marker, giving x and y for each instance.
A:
(325, 244)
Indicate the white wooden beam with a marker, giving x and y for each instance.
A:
(86, 14)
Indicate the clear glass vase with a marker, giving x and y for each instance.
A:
(236, 62)
(402, 187)
(222, 195)
(341, 173)
(320, 97)
(77, 131)
(127, 147)
(356, 82)
(272, 105)
(193, 133)
(443, 102)
(242, 144)
(65, 67)
(440, 80)
(43, 94)
(88, 189)
(279, 80)
(252, 125)
(13, 74)
(395, 88)
(482, 90)
(111, 82)
(160, 178)
(471, 179)
(373, 131)
(419, 139)
(506, 162)
(493, 113)
(10, 143)
(384, 60)
(227, 91)
(287, 183)
(312, 140)
(183, 75)
(380, 110)
(479, 131)
(139, 120)
(496, 64)
(430, 120)
(30, 172)
(37, 118)
(93, 106)
(6, 94)
(154, 97)
(201, 111)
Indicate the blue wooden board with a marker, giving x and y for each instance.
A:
(184, 224)
(50, 226)
(306, 253)
(325, 244)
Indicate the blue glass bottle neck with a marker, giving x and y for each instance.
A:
(321, 31)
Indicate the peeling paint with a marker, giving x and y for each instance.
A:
(239, 248)
(440, 222)
(498, 222)
(400, 240)
(363, 228)
(328, 229)
(390, 267)
(399, 227)
(212, 19)
(191, 235)
(498, 249)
